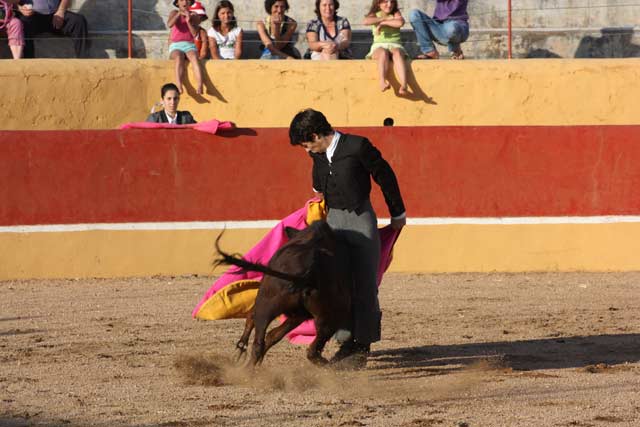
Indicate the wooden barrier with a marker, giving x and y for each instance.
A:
(450, 177)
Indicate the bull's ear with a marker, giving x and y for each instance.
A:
(290, 232)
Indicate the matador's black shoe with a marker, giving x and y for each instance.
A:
(351, 356)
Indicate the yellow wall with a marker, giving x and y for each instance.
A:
(115, 253)
(441, 248)
(97, 94)
(522, 247)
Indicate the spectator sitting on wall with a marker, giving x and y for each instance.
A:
(385, 20)
(225, 37)
(170, 100)
(276, 32)
(52, 16)
(448, 27)
(184, 26)
(329, 36)
(10, 23)
(200, 39)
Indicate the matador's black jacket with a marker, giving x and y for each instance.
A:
(346, 183)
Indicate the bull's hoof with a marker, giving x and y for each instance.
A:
(319, 361)
(351, 356)
(241, 354)
(355, 362)
(350, 349)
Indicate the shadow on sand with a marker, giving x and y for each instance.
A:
(550, 353)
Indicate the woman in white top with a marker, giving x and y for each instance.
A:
(225, 37)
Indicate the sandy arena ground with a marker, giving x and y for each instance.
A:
(458, 350)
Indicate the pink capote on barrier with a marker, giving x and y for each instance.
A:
(210, 126)
(264, 250)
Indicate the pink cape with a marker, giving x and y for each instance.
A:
(210, 126)
(260, 253)
(264, 250)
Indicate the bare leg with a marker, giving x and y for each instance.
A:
(382, 57)
(324, 55)
(197, 73)
(179, 58)
(16, 51)
(400, 68)
(327, 56)
(15, 34)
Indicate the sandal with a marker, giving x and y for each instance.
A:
(457, 55)
(431, 55)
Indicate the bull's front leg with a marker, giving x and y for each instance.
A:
(324, 332)
(263, 315)
(243, 342)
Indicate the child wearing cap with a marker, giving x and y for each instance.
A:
(184, 27)
(200, 39)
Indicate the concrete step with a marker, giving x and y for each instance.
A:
(482, 44)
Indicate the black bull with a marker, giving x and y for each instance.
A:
(306, 278)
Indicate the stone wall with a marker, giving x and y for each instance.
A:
(542, 28)
(109, 203)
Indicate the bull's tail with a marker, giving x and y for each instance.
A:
(237, 260)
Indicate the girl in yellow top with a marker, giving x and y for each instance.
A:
(386, 20)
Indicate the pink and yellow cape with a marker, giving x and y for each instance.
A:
(233, 294)
(209, 126)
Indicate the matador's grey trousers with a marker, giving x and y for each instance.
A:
(360, 232)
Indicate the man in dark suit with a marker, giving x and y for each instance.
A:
(342, 169)
(170, 100)
(181, 118)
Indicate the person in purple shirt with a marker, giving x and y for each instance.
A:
(448, 27)
(52, 16)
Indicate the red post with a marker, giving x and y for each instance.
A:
(510, 35)
(130, 35)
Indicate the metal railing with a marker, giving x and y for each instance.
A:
(508, 10)
(130, 28)
(509, 30)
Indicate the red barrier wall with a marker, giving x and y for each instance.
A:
(65, 177)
